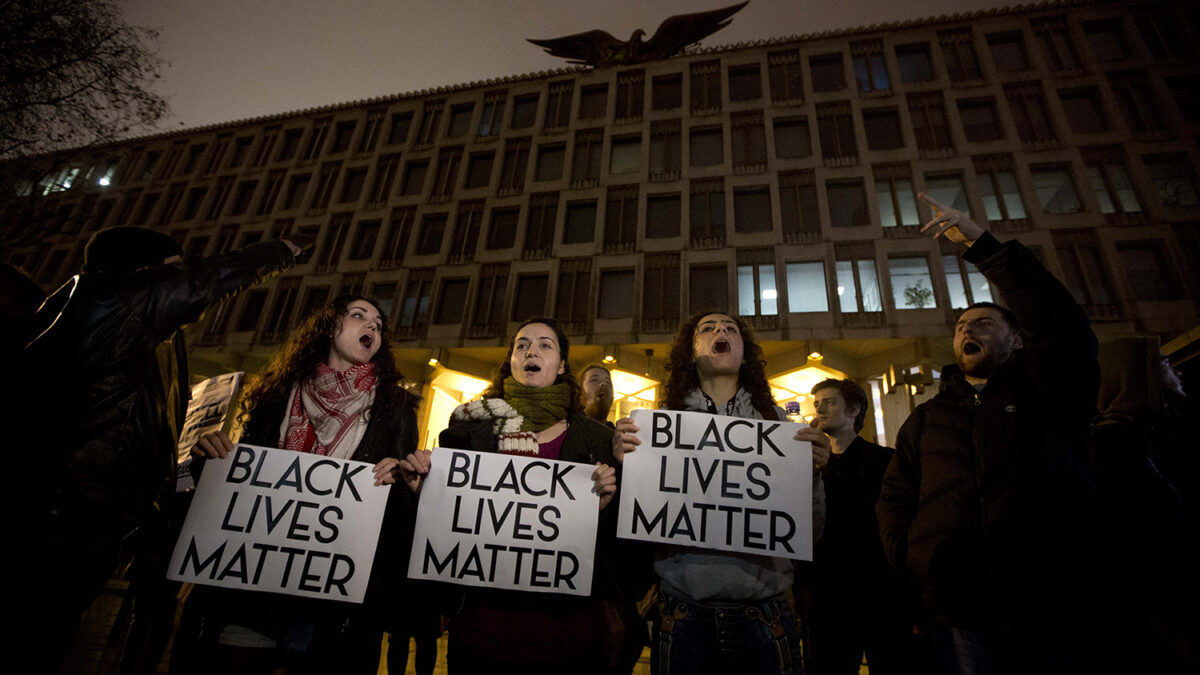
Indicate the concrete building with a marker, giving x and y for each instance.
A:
(776, 178)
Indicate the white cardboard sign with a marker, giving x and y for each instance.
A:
(506, 521)
(717, 482)
(286, 522)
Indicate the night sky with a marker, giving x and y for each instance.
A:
(230, 60)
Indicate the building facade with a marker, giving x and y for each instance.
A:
(777, 179)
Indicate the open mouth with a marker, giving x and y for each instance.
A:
(970, 348)
(532, 368)
(721, 346)
(367, 341)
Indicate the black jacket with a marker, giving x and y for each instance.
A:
(111, 358)
(971, 492)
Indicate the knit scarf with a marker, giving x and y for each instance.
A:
(518, 416)
(328, 411)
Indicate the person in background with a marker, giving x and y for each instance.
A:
(334, 391)
(722, 611)
(857, 600)
(105, 387)
(597, 393)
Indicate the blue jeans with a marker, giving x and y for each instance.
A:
(754, 639)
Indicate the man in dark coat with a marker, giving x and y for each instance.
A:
(976, 504)
(107, 389)
(857, 599)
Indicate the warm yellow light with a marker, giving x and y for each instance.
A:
(609, 358)
(433, 361)
(469, 386)
(816, 356)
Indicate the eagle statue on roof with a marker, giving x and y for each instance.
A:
(599, 49)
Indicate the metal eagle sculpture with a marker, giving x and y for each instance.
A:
(599, 49)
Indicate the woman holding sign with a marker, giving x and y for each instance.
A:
(333, 390)
(724, 611)
(532, 408)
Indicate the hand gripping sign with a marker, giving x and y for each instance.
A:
(282, 521)
(718, 482)
(506, 521)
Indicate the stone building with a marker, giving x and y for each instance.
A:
(776, 178)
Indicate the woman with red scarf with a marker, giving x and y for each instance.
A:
(333, 391)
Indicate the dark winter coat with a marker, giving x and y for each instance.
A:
(974, 489)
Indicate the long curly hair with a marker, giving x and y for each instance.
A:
(496, 388)
(299, 358)
(683, 378)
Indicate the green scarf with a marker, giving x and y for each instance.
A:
(540, 406)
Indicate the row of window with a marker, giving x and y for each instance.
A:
(855, 283)
(785, 75)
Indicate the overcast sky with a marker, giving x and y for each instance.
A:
(235, 59)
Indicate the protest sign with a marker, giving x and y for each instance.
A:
(207, 411)
(506, 521)
(281, 521)
(718, 482)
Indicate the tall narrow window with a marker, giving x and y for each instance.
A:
(707, 207)
(539, 226)
(316, 139)
(492, 115)
(958, 51)
(479, 169)
(665, 150)
(452, 301)
(616, 294)
(706, 146)
(414, 304)
(431, 118)
(1084, 271)
(586, 159)
(870, 70)
(1159, 31)
(279, 318)
(365, 236)
(572, 306)
(352, 186)
(787, 82)
(558, 104)
(1107, 38)
(708, 287)
(828, 73)
(550, 161)
(395, 246)
(857, 282)
(883, 129)
(660, 292)
(241, 197)
(414, 177)
(335, 239)
(1084, 112)
(706, 87)
(626, 154)
(514, 167)
(1137, 102)
(620, 219)
(1149, 271)
(757, 294)
(752, 209)
(326, 179)
(488, 316)
(343, 133)
(460, 120)
(446, 177)
(798, 207)
(385, 175)
(530, 297)
(631, 95)
(217, 206)
(895, 196)
(266, 146)
(467, 226)
(217, 156)
(371, 132)
(792, 139)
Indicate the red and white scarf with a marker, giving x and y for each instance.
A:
(328, 411)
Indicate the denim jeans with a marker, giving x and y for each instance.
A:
(755, 639)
